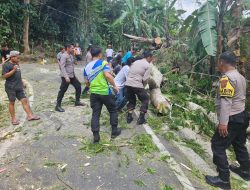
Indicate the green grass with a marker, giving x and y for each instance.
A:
(166, 187)
(164, 158)
(105, 146)
(143, 144)
(170, 136)
(197, 148)
(50, 164)
(237, 184)
(155, 123)
(4, 113)
(140, 183)
(151, 171)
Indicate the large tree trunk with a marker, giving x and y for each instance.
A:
(157, 98)
(26, 29)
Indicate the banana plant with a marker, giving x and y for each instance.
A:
(207, 19)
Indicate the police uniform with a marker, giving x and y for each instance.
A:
(66, 65)
(230, 107)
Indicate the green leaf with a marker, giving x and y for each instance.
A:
(207, 16)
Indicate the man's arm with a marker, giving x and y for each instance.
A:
(225, 109)
(10, 73)
(146, 76)
(85, 76)
(111, 81)
(226, 93)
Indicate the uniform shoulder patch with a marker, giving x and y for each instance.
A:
(226, 89)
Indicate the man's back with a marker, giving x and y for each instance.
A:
(93, 72)
(138, 73)
(121, 77)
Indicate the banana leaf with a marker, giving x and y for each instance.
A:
(207, 16)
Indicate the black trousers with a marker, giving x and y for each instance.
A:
(237, 137)
(142, 95)
(64, 87)
(96, 102)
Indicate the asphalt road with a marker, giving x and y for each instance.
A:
(54, 153)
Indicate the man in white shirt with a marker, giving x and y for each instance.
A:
(109, 53)
(78, 52)
(120, 81)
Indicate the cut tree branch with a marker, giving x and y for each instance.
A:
(157, 41)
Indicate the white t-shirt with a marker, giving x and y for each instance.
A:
(121, 77)
(109, 52)
(77, 51)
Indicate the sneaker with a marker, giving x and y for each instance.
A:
(96, 137)
(244, 174)
(141, 120)
(216, 181)
(79, 104)
(59, 108)
(129, 118)
(115, 133)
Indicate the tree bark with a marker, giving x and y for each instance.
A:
(222, 9)
(157, 40)
(167, 34)
(157, 98)
(26, 29)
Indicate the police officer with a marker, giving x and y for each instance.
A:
(233, 122)
(66, 66)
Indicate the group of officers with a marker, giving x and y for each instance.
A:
(100, 82)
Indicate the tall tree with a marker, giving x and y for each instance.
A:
(26, 27)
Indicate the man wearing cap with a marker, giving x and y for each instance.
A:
(14, 87)
(233, 122)
(68, 77)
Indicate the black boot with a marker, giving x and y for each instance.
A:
(216, 181)
(78, 103)
(243, 172)
(141, 120)
(59, 108)
(96, 137)
(115, 132)
(129, 118)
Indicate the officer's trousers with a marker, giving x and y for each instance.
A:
(142, 95)
(64, 87)
(237, 138)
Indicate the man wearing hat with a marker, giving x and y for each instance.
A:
(14, 87)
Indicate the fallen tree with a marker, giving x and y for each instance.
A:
(157, 40)
(157, 98)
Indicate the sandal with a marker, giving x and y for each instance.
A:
(15, 122)
(34, 118)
